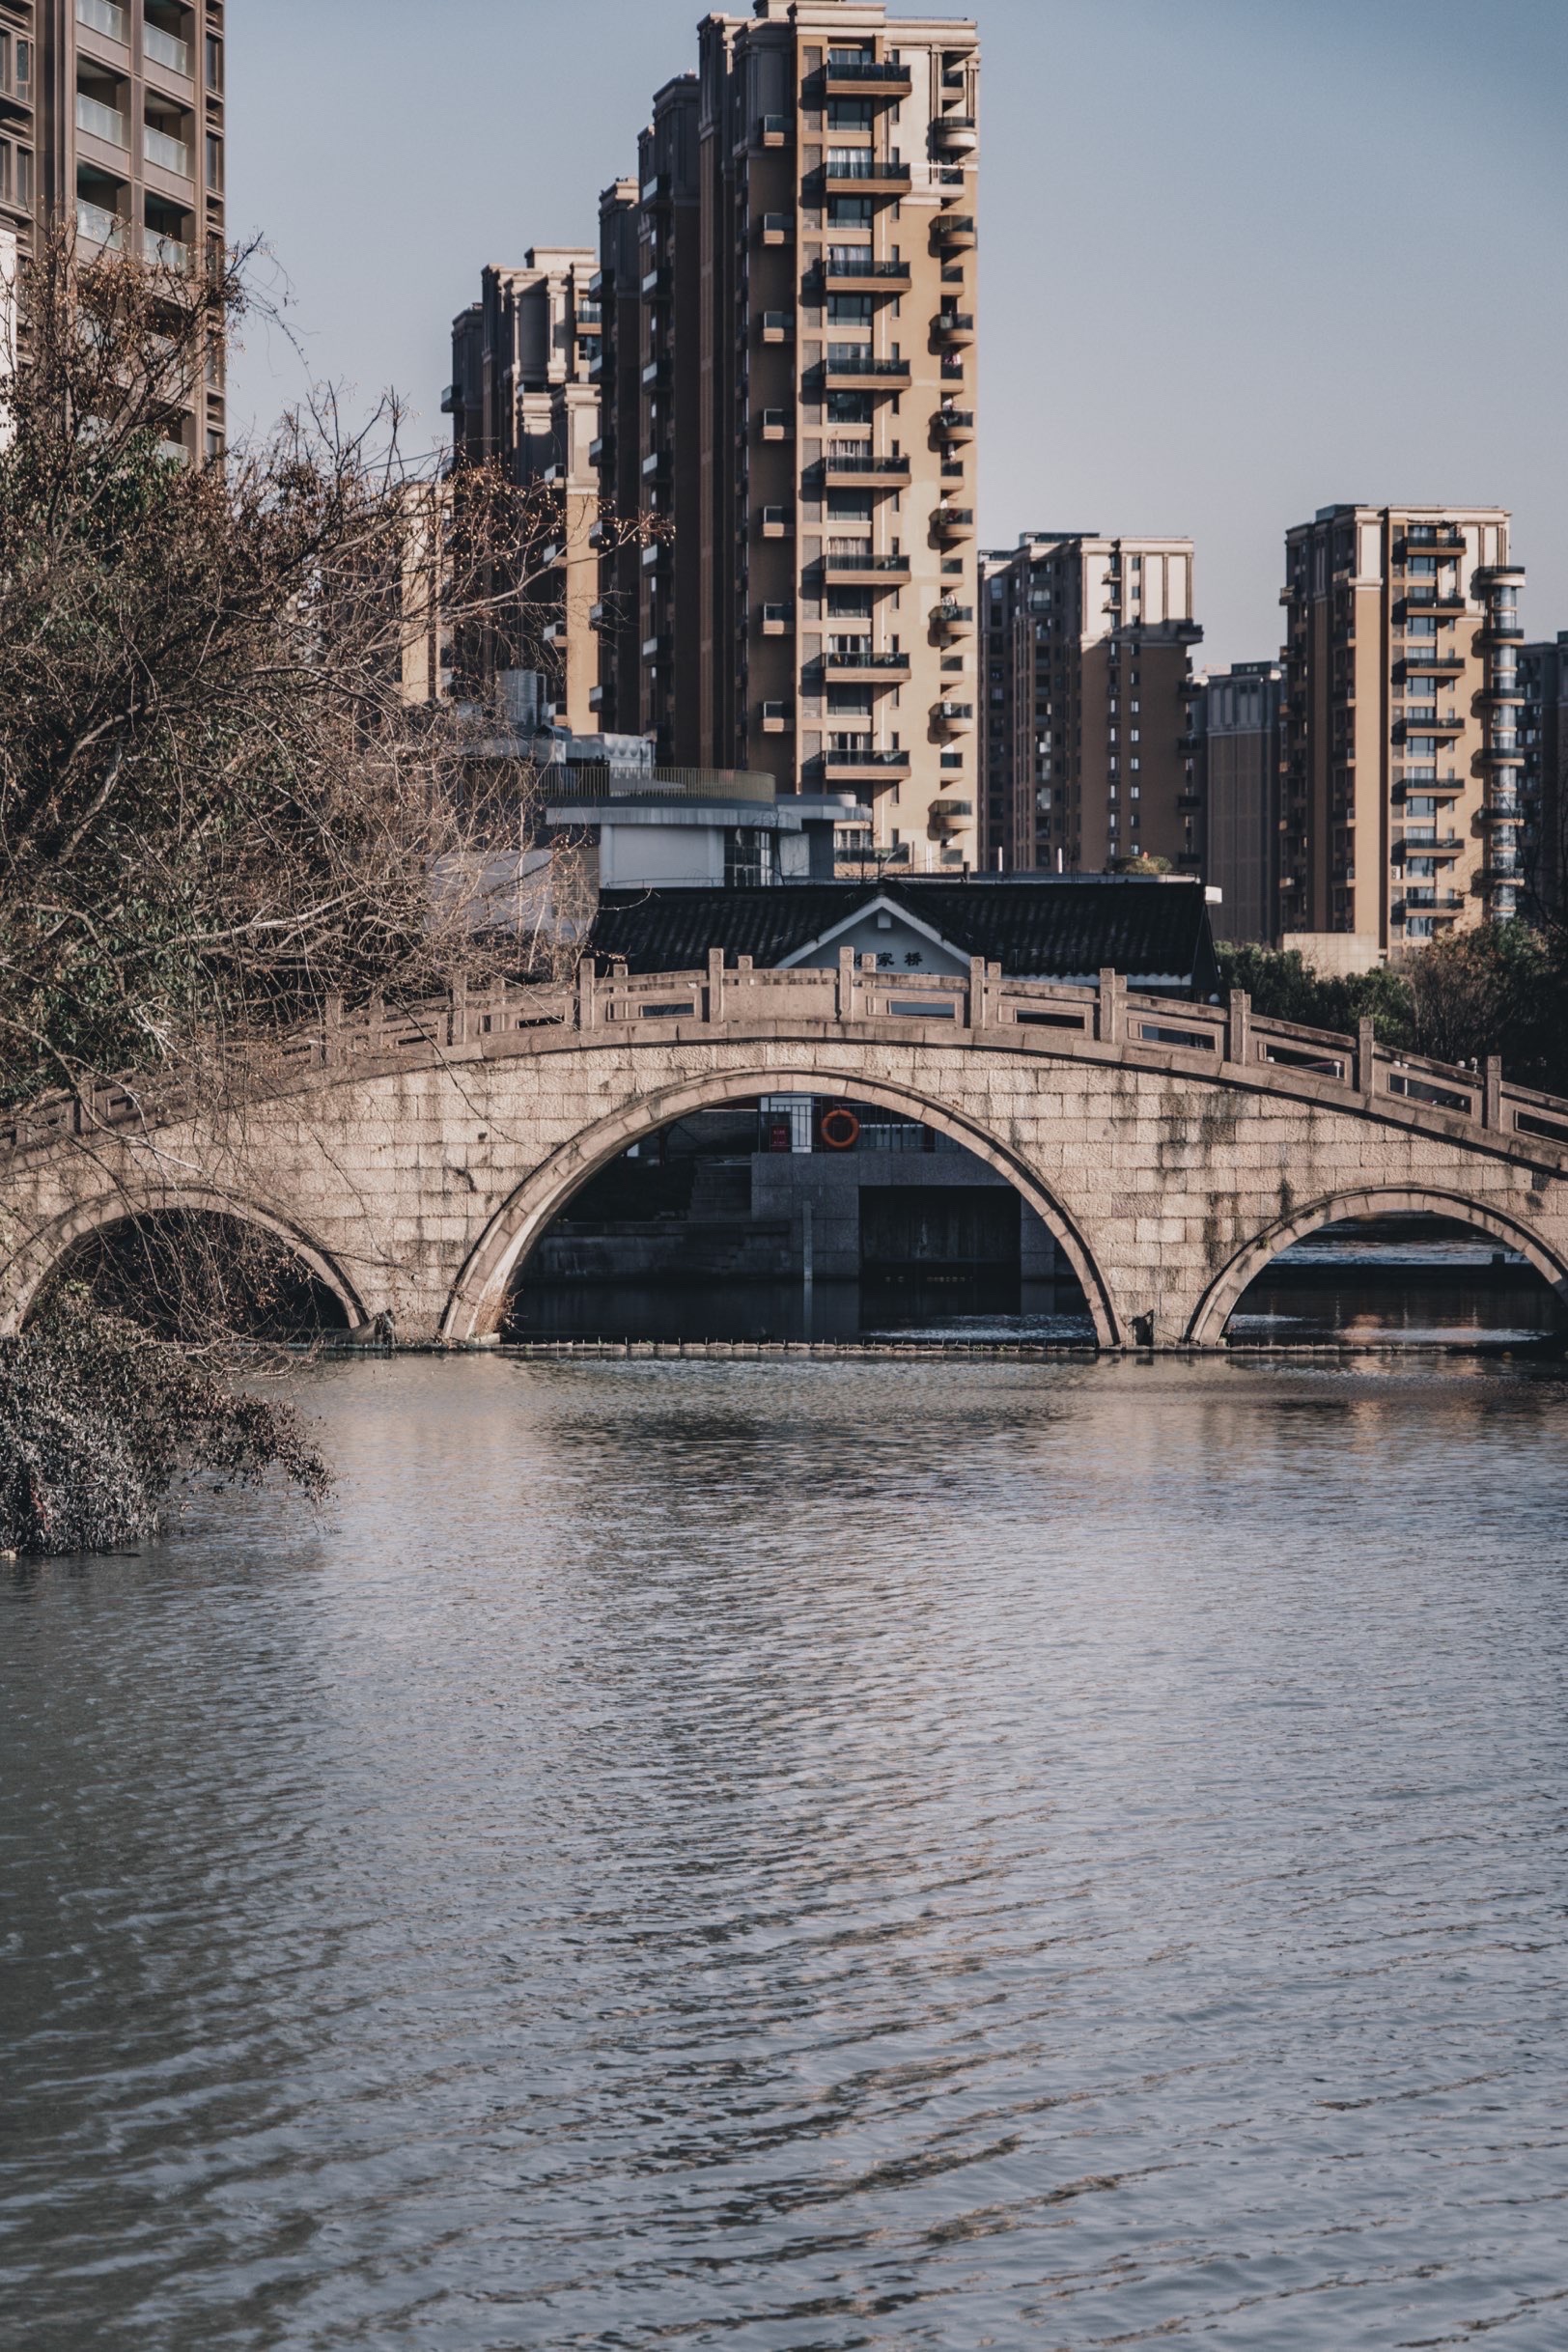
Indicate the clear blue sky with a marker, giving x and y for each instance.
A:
(1241, 258)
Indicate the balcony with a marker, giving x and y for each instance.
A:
(845, 267)
(170, 253)
(1444, 603)
(105, 17)
(867, 669)
(777, 327)
(1432, 539)
(852, 367)
(777, 425)
(950, 816)
(952, 622)
(866, 77)
(654, 194)
(1439, 665)
(166, 152)
(96, 227)
(857, 172)
(777, 620)
(868, 472)
(956, 232)
(953, 329)
(846, 566)
(771, 130)
(952, 717)
(951, 524)
(1503, 751)
(1503, 628)
(863, 767)
(164, 48)
(776, 229)
(1447, 727)
(101, 121)
(778, 522)
(956, 134)
(956, 425)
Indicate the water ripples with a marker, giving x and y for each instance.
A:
(806, 1856)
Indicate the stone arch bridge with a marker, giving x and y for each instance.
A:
(413, 1159)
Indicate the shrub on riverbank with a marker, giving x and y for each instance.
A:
(100, 1424)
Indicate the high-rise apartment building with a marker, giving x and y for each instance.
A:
(805, 346)
(1543, 740)
(1236, 714)
(523, 399)
(1089, 752)
(650, 282)
(617, 615)
(1402, 752)
(112, 117)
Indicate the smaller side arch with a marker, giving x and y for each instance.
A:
(478, 1295)
(1223, 1294)
(30, 1269)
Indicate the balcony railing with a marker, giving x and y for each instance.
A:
(101, 121)
(168, 252)
(860, 163)
(97, 227)
(897, 466)
(104, 16)
(166, 49)
(169, 154)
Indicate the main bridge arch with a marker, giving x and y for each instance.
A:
(479, 1297)
(1229, 1286)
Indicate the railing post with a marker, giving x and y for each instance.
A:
(1109, 1007)
(587, 994)
(1491, 1092)
(846, 984)
(979, 1009)
(1367, 1059)
(716, 984)
(1238, 1029)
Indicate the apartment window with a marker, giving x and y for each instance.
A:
(850, 211)
(5, 61)
(214, 164)
(849, 310)
(24, 178)
(215, 65)
(24, 69)
(5, 171)
(849, 114)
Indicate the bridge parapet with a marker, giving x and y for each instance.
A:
(1101, 1022)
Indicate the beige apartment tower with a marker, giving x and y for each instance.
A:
(112, 117)
(805, 358)
(525, 399)
(1402, 808)
(1090, 754)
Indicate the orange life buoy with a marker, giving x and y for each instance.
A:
(840, 1129)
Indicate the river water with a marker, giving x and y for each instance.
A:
(798, 1855)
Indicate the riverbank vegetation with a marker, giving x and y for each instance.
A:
(101, 1426)
(226, 798)
(1499, 989)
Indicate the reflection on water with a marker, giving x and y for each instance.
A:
(786, 1857)
(1373, 1295)
(991, 1305)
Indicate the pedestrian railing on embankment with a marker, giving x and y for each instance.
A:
(1098, 1022)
